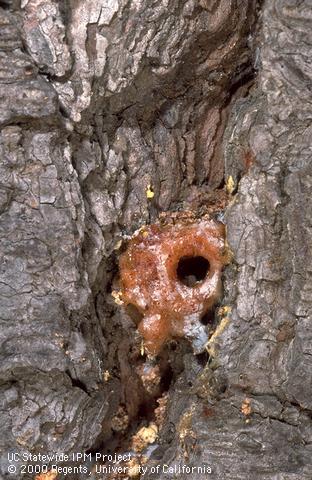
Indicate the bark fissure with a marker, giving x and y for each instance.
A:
(102, 101)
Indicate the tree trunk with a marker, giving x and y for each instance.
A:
(102, 102)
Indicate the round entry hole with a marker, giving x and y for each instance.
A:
(192, 270)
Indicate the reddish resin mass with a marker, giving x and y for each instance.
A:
(172, 274)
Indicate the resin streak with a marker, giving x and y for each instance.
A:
(150, 282)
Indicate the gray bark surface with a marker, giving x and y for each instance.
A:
(101, 100)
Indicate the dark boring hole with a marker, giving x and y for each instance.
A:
(192, 270)
(5, 4)
(202, 358)
(208, 317)
(173, 345)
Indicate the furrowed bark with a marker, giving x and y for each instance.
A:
(100, 101)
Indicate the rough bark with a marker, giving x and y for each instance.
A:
(264, 353)
(99, 101)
